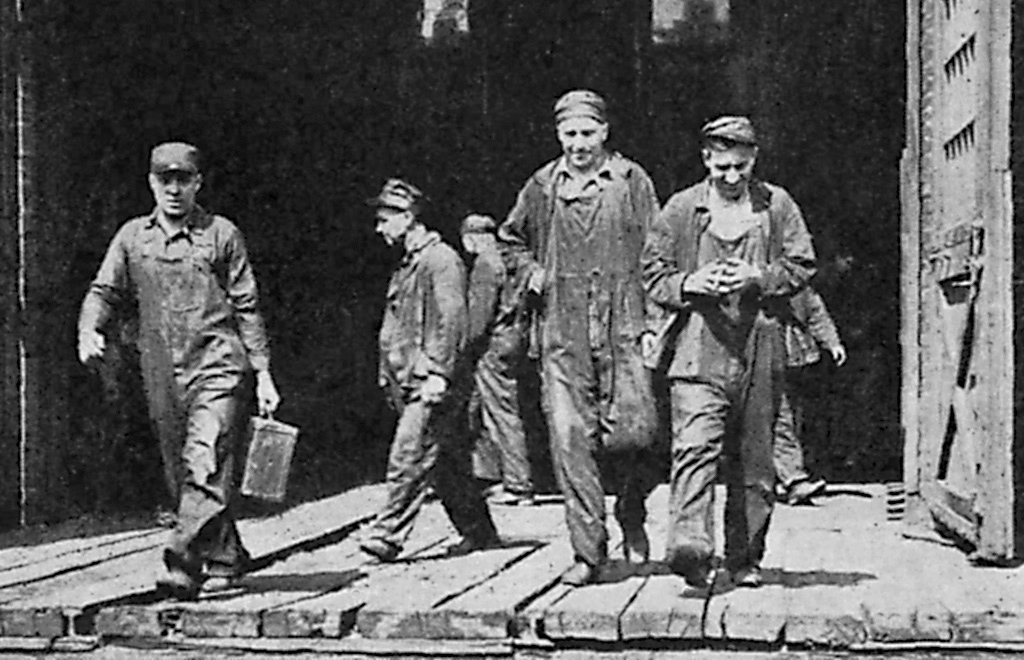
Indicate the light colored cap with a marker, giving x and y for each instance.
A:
(733, 129)
(397, 194)
(476, 223)
(581, 103)
(174, 157)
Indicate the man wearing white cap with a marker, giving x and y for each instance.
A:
(427, 379)
(578, 225)
(201, 338)
(725, 255)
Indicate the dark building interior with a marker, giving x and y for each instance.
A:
(303, 109)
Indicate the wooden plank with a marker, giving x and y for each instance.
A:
(910, 249)
(594, 612)
(16, 557)
(326, 614)
(76, 560)
(665, 608)
(996, 502)
(299, 577)
(489, 611)
(351, 647)
(858, 580)
(134, 574)
(481, 602)
(757, 615)
(407, 613)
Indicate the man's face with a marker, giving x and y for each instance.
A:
(393, 224)
(730, 169)
(582, 140)
(175, 191)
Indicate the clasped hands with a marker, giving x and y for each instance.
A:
(720, 278)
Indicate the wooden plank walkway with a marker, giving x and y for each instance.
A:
(838, 575)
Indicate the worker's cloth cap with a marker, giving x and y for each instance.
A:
(397, 194)
(733, 129)
(478, 224)
(174, 157)
(581, 103)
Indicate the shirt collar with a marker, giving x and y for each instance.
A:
(195, 223)
(609, 169)
(421, 243)
(760, 195)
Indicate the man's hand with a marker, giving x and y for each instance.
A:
(266, 393)
(736, 275)
(433, 388)
(648, 345)
(705, 281)
(91, 344)
(838, 354)
(535, 281)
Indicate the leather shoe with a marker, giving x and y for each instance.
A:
(579, 575)
(510, 498)
(176, 584)
(468, 545)
(748, 576)
(802, 491)
(380, 549)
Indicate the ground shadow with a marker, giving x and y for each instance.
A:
(838, 491)
(803, 579)
(318, 582)
(439, 552)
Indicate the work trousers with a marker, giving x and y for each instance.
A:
(576, 399)
(710, 422)
(431, 442)
(501, 452)
(788, 452)
(199, 432)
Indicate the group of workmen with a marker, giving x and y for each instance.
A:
(610, 292)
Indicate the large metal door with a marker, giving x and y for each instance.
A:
(957, 264)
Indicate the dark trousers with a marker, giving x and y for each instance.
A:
(431, 441)
(501, 452)
(709, 423)
(788, 452)
(199, 432)
(576, 400)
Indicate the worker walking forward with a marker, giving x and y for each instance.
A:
(725, 255)
(578, 225)
(427, 380)
(201, 337)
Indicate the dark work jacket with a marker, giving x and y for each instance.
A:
(424, 327)
(670, 255)
(629, 204)
(496, 306)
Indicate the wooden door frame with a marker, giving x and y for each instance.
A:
(994, 507)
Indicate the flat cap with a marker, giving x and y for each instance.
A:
(174, 157)
(397, 194)
(580, 103)
(734, 129)
(475, 223)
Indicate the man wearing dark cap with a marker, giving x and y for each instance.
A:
(201, 338)
(725, 255)
(497, 330)
(578, 226)
(427, 380)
